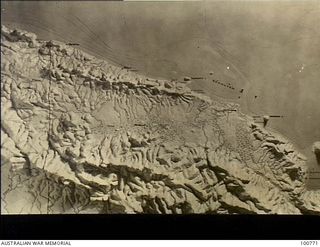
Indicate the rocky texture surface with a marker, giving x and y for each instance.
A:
(80, 135)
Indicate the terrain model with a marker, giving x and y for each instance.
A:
(81, 135)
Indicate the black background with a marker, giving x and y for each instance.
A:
(231, 227)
